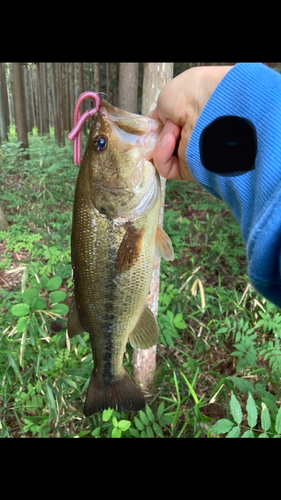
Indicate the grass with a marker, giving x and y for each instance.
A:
(219, 340)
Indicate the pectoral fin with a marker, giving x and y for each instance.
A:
(74, 326)
(129, 249)
(145, 333)
(164, 246)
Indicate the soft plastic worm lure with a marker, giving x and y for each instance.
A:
(75, 134)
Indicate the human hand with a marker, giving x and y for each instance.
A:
(179, 105)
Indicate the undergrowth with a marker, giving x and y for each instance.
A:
(219, 357)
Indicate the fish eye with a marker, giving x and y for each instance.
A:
(100, 143)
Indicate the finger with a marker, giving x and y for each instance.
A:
(154, 114)
(166, 163)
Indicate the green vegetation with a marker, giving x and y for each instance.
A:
(219, 357)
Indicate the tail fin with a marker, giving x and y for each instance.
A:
(123, 394)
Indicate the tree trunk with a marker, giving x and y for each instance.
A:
(128, 86)
(3, 221)
(20, 107)
(96, 77)
(46, 121)
(114, 67)
(28, 98)
(60, 105)
(42, 94)
(32, 82)
(156, 75)
(56, 101)
(67, 121)
(82, 89)
(72, 95)
(4, 115)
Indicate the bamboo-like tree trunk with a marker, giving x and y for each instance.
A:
(156, 75)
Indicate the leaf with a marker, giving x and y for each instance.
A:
(149, 432)
(96, 432)
(70, 382)
(139, 425)
(234, 433)
(53, 283)
(263, 435)
(242, 384)
(278, 422)
(252, 413)
(44, 280)
(157, 429)
(20, 309)
(235, 409)
(106, 414)
(14, 366)
(222, 426)
(51, 399)
(179, 322)
(149, 413)
(40, 304)
(134, 432)
(265, 418)
(30, 295)
(143, 418)
(124, 425)
(57, 296)
(22, 324)
(116, 433)
(160, 410)
(248, 434)
(60, 309)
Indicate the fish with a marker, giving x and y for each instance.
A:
(115, 234)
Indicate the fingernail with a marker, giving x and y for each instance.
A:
(169, 128)
(163, 141)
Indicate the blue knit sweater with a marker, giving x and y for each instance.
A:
(251, 91)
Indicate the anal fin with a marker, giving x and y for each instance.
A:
(145, 333)
(74, 326)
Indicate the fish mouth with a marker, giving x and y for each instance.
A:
(136, 130)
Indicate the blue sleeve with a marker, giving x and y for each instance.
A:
(251, 91)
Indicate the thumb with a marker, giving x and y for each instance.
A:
(163, 156)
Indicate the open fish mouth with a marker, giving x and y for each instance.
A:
(136, 130)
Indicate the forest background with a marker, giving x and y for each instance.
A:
(219, 357)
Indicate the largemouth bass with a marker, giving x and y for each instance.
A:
(115, 234)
